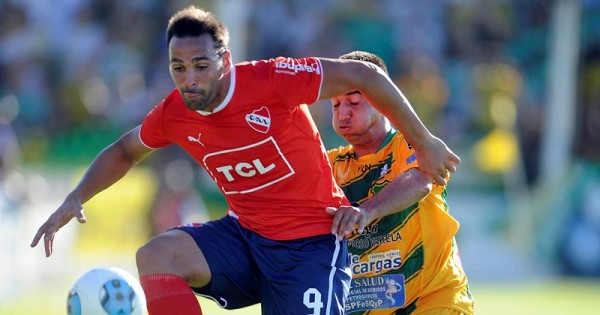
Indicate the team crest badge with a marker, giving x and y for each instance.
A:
(259, 120)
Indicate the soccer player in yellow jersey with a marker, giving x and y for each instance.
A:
(404, 258)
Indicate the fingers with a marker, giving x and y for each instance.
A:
(442, 176)
(48, 244)
(451, 168)
(48, 231)
(345, 220)
(48, 239)
(348, 224)
(37, 237)
(455, 159)
(69, 209)
(331, 210)
(81, 217)
(336, 221)
(439, 179)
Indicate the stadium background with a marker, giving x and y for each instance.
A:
(513, 86)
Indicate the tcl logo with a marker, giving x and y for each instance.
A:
(245, 169)
(249, 168)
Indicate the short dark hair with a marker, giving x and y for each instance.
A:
(194, 21)
(365, 56)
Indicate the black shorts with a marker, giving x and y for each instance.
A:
(303, 276)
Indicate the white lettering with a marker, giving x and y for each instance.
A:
(261, 169)
(258, 119)
(245, 169)
(297, 67)
(240, 169)
(225, 170)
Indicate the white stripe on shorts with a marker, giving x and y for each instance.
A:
(331, 276)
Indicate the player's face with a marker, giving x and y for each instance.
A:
(353, 116)
(198, 71)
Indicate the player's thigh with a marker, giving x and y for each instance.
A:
(304, 276)
(174, 252)
(234, 278)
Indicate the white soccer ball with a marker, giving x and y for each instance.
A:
(106, 290)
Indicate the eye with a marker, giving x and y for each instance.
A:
(202, 66)
(355, 99)
(178, 68)
(335, 104)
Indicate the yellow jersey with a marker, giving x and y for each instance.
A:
(406, 262)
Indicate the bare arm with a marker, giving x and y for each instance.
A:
(107, 168)
(405, 190)
(342, 76)
(111, 165)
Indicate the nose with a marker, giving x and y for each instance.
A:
(344, 111)
(190, 79)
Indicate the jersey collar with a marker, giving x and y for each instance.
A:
(225, 101)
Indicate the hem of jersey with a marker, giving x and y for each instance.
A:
(294, 236)
(321, 83)
(142, 141)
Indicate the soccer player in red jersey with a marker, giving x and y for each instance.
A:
(247, 124)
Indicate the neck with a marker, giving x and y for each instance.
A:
(222, 93)
(373, 142)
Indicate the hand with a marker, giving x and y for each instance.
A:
(70, 209)
(346, 219)
(437, 160)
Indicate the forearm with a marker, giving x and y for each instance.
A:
(108, 167)
(387, 98)
(405, 190)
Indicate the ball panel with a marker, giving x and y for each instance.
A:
(106, 290)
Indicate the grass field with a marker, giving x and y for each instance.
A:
(551, 297)
(42, 283)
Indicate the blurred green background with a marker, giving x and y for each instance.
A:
(512, 86)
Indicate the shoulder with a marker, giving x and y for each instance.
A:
(255, 65)
(173, 98)
(171, 105)
(340, 153)
(399, 141)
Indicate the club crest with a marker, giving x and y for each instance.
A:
(259, 120)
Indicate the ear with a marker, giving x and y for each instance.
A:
(227, 62)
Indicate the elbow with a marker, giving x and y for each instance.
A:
(360, 75)
(368, 74)
(124, 154)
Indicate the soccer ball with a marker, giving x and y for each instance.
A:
(106, 290)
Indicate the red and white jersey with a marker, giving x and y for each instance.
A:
(260, 146)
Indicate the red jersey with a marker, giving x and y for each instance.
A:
(260, 145)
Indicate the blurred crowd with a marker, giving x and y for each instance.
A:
(78, 72)
(75, 74)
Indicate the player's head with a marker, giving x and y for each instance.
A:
(199, 57)
(354, 118)
(193, 21)
(365, 56)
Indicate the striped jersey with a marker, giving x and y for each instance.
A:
(403, 256)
